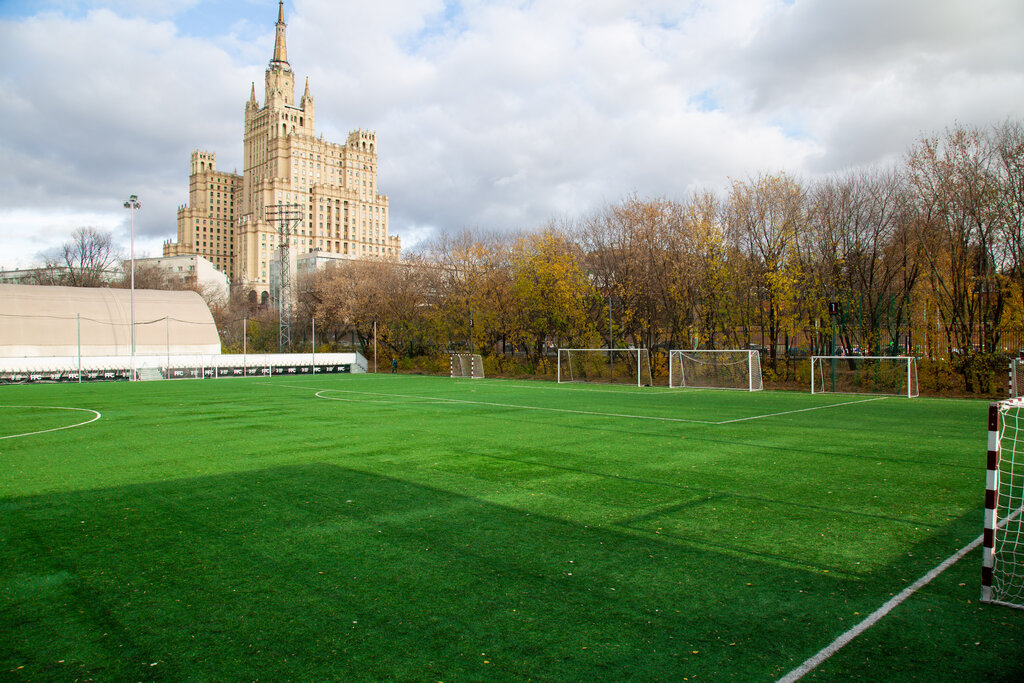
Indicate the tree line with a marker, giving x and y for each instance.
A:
(924, 257)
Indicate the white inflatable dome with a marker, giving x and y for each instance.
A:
(42, 321)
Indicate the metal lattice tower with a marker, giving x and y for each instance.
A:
(288, 218)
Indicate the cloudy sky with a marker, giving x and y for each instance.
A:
(489, 114)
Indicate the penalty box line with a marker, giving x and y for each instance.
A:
(521, 407)
(590, 412)
(803, 410)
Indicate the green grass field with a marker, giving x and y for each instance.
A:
(389, 527)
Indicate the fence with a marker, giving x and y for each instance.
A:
(114, 368)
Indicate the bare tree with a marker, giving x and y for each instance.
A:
(956, 190)
(86, 260)
(864, 254)
(764, 217)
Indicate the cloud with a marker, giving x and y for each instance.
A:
(104, 106)
(866, 77)
(494, 114)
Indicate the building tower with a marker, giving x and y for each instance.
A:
(284, 162)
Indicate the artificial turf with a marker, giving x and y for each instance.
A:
(380, 527)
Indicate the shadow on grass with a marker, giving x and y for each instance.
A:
(322, 573)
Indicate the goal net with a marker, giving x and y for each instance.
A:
(715, 369)
(881, 375)
(625, 366)
(1002, 574)
(469, 365)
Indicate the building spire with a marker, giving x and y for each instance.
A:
(280, 53)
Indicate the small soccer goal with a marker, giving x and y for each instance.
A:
(1002, 573)
(715, 369)
(469, 365)
(623, 366)
(1016, 378)
(880, 375)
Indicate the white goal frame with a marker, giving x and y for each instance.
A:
(908, 373)
(1002, 570)
(565, 374)
(748, 358)
(468, 365)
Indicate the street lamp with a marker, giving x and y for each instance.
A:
(131, 205)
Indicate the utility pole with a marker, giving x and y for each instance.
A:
(288, 218)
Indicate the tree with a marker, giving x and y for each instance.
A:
(550, 291)
(956, 194)
(637, 253)
(230, 314)
(86, 260)
(764, 218)
(864, 256)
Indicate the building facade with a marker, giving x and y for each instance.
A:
(206, 225)
(230, 217)
(191, 270)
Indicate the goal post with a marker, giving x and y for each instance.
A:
(626, 366)
(469, 365)
(1015, 383)
(879, 375)
(715, 369)
(1002, 572)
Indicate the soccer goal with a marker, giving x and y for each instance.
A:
(1016, 377)
(1002, 573)
(715, 369)
(881, 375)
(627, 366)
(469, 365)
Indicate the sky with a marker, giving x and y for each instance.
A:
(498, 116)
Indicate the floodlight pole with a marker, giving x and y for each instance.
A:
(132, 204)
(375, 346)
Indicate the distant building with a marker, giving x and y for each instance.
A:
(26, 276)
(51, 275)
(335, 185)
(206, 226)
(191, 270)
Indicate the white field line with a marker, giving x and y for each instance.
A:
(380, 401)
(96, 416)
(521, 407)
(424, 399)
(873, 618)
(802, 410)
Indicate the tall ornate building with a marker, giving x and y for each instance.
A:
(226, 220)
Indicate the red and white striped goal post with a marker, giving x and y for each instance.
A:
(992, 475)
